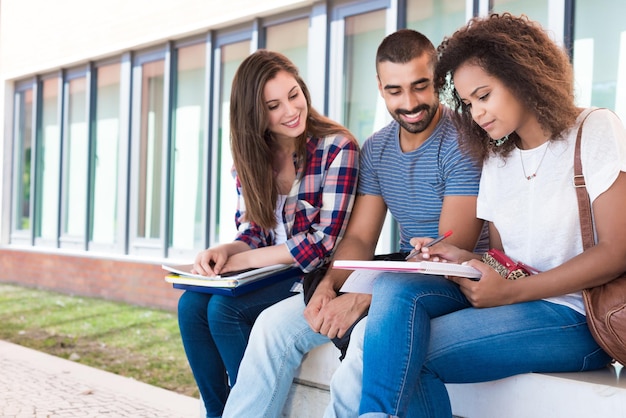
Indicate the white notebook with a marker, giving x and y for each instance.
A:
(367, 271)
(426, 267)
(184, 270)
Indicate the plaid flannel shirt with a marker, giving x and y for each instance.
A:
(317, 209)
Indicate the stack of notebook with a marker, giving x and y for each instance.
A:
(232, 283)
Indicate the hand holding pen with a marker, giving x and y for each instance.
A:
(429, 244)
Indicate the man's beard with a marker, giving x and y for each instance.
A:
(420, 126)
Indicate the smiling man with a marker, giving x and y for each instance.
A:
(413, 168)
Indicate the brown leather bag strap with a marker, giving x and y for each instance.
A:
(584, 204)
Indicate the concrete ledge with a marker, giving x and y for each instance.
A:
(305, 401)
(599, 393)
(318, 366)
(309, 394)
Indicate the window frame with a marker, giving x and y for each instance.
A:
(120, 244)
(239, 33)
(140, 246)
(38, 240)
(207, 40)
(22, 236)
(78, 242)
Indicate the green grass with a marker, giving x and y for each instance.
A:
(131, 341)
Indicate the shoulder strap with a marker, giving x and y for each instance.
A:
(584, 205)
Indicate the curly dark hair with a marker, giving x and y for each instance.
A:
(522, 56)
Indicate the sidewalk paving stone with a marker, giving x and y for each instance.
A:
(35, 384)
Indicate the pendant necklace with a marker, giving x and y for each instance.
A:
(533, 175)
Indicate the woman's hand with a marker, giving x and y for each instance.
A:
(491, 290)
(243, 260)
(441, 251)
(210, 262)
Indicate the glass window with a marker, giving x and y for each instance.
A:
(231, 57)
(360, 107)
(291, 39)
(105, 160)
(600, 55)
(76, 157)
(363, 34)
(149, 180)
(436, 19)
(48, 163)
(189, 152)
(23, 140)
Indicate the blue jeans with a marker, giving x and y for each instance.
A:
(215, 331)
(279, 340)
(346, 383)
(422, 333)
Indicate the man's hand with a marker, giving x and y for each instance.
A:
(323, 294)
(338, 314)
(327, 313)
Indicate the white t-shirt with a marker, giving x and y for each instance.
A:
(538, 219)
(280, 233)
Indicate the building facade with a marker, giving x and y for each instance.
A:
(115, 150)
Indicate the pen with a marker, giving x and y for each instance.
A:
(430, 244)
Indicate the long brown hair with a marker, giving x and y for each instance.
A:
(521, 55)
(250, 139)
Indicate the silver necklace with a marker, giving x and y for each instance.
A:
(533, 175)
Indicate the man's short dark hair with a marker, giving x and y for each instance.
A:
(403, 46)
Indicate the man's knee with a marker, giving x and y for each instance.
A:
(284, 310)
(281, 321)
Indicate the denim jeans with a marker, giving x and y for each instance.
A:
(422, 333)
(279, 340)
(345, 385)
(215, 331)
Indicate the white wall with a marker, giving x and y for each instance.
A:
(36, 35)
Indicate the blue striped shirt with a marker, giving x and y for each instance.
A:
(413, 184)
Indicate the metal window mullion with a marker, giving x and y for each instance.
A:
(207, 175)
(62, 120)
(125, 152)
(90, 112)
(169, 80)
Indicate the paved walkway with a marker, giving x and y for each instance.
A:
(35, 384)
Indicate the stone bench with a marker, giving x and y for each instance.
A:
(599, 393)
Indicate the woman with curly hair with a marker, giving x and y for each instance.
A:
(511, 88)
(296, 176)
